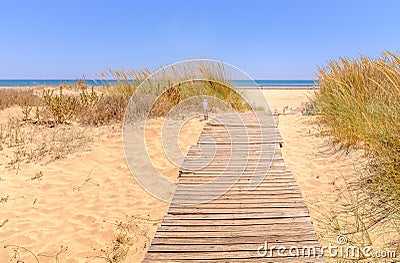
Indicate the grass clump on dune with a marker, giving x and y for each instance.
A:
(171, 85)
(17, 96)
(359, 101)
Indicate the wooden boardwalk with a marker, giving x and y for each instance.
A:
(234, 194)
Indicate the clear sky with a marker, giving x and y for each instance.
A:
(272, 39)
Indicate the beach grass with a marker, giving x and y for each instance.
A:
(169, 86)
(359, 102)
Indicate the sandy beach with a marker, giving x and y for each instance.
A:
(102, 105)
(73, 209)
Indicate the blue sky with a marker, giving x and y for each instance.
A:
(268, 39)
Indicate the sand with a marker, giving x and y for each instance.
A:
(74, 209)
(77, 202)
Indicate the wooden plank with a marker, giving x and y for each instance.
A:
(242, 229)
(237, 210)
(227, 246)
(263, 260)
(273, 169)
(245, 177)
(239, 216)
(226, 181)
(237, 194)
(264, 187)
(237, 142)
(233, 240)
(242, 181)
(194, 255)
(222, 169)
(271, 173)
(250, 163)
(233, 205)
(273, 200)
(285, 234)
(232, 164)
(206, 198)
(229, 222)
(228, 156)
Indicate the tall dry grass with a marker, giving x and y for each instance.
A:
(171, 85)
(359, 101)
(18, 96)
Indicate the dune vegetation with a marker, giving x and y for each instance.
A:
(359, 102)
(169, 86)
(74, 109)
(106, 103)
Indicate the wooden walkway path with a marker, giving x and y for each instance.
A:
(234, 194)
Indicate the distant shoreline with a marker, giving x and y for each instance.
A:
(242, 84)
(238, 87)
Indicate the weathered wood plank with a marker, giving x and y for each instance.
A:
(205, 199)
(240, 216)
(226, 255)
(264, 187)
(263, 260)
(233, 240)
(226, 246)
(288, 235)
(229, 222)
(229, 205)
(268, 228)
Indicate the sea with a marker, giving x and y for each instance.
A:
(263, 83)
